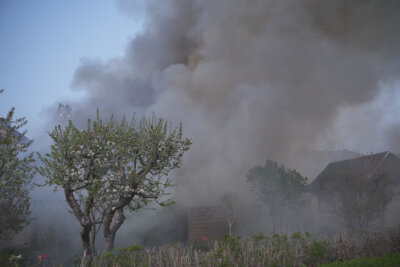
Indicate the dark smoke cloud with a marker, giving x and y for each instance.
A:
(250, 79)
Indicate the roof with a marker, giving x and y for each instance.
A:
(24, 139)
(368, 166)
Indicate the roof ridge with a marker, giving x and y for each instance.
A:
(387, 153)
(379, 164)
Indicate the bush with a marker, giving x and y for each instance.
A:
(12, 257)
(128, 256)
(384, 261)
(280, 250)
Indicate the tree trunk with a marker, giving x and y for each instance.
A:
(381, 218)
(230, 223)
(93, 239)
(109, 242)
(86, 244)
(84, 220)
(110, 228)
(274, 222)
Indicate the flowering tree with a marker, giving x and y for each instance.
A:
(113, 167)
(16, 172)
(277, 186)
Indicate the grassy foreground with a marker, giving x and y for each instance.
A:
(298, 249)
(384, 261)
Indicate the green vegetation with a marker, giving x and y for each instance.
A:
(360, 201)
(277, 250)
(384, 261)
(16, 173)
(110, 168)
(298, 249)
(277, 186)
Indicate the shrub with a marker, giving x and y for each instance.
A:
(298, 249)
(384, 261)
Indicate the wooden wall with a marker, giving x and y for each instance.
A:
(206, 222)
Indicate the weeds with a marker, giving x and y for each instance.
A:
(384, 261)
(298, 249)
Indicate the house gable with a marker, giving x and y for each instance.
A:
(385, 163)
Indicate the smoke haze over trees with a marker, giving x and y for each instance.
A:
(278, 187)
(255, 79)
(300, 82)
(361, 201)
(250, 80)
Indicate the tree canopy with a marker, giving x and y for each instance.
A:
(277, 186)
(16, 173)
(112, 167)
(361, 200)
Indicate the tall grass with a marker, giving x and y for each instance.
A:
(298, 249)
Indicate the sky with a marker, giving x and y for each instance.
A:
(43, 42)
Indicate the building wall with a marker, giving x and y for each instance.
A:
(206, 223)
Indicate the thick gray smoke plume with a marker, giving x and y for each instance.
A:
(254, 79)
